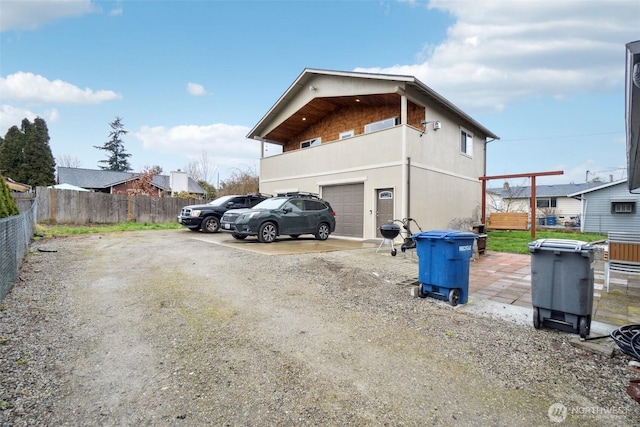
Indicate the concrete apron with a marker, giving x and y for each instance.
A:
(285, 245)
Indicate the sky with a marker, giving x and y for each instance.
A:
(190, 79)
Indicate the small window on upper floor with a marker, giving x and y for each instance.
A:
(466, 143)
(311, 143)
(346, 134)
(382, 124)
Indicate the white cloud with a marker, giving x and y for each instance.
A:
(501, 51)
(31, 14)
(226, 144)
(196, 89)
(35, 89)
(13, 116)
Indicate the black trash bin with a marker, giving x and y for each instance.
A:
(562, 284)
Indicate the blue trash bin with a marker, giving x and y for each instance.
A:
(443, 265)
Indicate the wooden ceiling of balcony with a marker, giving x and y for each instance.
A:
(319, 108)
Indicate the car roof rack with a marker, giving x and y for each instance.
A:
(259, 195)
(298, 193)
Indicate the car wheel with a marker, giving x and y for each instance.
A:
(322, 233)
(267, 233)
(210, 224)
(239, 236)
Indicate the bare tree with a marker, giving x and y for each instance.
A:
(240, 182)
(202, 168)
(68, 161)
(510, 199)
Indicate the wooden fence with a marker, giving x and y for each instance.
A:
(83, 207)
(508, 221)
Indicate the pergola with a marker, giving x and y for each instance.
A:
(531, 175)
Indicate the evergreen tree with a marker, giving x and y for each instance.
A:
(39, 161)
(25, 155)
(117, 156)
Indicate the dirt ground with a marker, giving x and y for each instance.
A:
(170, 328)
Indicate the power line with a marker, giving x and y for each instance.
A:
(561, 136)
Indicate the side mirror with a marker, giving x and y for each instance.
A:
(287, 210)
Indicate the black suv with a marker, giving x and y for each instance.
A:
(290, 214)
(207, 217)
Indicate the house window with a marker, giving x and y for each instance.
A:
(311, 143)
(549, 202)
(382, 124)
(623, 207)
(346, 134)
(385, 195)
(466, 143)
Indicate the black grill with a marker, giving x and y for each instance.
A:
(390, 230)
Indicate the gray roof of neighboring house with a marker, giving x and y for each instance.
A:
(95, 178)
(559, 190)
(598, 186)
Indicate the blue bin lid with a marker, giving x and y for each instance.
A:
(445, 235)
(561, 245)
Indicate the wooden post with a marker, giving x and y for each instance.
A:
(52, 205)
(531, 175)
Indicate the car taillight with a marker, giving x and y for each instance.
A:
(333, 213)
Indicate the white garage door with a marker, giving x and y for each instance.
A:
(347, 201)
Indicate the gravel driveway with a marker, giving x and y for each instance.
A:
(159, 328)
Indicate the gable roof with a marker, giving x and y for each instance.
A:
(598, 186)
(102, 179)
(558, 190)
(303, 80)
(17, 186)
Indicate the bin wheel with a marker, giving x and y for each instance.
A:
(536, 318)
(394, 252)
(454, 297)
(584, 327)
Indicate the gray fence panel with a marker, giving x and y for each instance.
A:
(15, 235)
(82, 207)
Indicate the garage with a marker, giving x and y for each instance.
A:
(347, 200)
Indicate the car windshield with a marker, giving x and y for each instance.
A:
(220, 201)
(273, 203)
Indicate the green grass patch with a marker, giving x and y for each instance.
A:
(516, 241)
(47, 231)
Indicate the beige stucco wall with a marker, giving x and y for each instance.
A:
(443, 183)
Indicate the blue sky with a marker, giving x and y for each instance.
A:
(193, 77)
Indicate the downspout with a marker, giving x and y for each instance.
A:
(404, 190)
(408, 215)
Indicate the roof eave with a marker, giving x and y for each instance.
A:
(307, 73)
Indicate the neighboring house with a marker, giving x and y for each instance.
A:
(378, 147)
(551, 201)
(113, 182)
(609, 207)
(16, 186)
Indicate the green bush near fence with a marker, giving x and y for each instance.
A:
(7, 204)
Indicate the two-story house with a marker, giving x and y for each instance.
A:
(378, 147)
